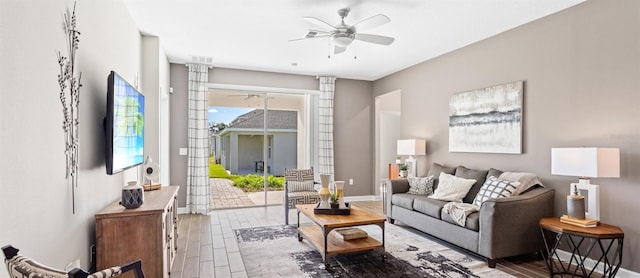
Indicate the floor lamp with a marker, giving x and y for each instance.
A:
(411, 147)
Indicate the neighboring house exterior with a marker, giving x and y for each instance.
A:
(239, 147)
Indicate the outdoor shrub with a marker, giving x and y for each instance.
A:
(253, 183)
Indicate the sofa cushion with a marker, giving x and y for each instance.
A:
(404, 200)
(435, 171)
(494, 188)
(494, 173)
(478, 175)
(420, 185)
(472, 223)
(431, 207)
(452, 188)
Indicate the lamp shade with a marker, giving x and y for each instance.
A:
(412, 147)
(586, 162)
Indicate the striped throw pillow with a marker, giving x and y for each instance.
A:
(299, 186)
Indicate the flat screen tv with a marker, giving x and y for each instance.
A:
(124, 125)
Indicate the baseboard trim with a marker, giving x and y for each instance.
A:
(182, 210)
(589, 263)
(362, 198)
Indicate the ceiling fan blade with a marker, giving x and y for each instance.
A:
(312, 37)
(377, 39)
(339, 49)
(371, 22)
(319, 23)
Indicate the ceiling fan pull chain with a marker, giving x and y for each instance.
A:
(355, 50)
(328, 49)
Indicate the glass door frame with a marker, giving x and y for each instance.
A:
(311, 114)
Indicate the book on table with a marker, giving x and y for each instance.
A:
(351, 233)
(585, 223)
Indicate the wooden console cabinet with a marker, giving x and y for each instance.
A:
(148, 233)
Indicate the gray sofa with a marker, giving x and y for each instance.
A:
(503, 227)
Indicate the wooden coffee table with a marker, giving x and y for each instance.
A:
(329, 244)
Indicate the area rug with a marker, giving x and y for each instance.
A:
(275, 251)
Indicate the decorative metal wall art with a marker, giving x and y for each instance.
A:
(70, 99)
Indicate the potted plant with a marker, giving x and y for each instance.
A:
(403, 170)
(334, 201)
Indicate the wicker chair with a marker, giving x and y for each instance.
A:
(22, 267)
(298, 189)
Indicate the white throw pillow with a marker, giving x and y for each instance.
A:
(452, 188)
(420, 186)
(494, 188)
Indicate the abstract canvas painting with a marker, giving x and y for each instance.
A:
(487, 120)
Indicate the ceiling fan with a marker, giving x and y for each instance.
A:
(342, 35)
(245, 96)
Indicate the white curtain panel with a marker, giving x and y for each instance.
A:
(325, 126)
(198, 190)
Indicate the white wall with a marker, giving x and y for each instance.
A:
(155, 79)
(35, 198)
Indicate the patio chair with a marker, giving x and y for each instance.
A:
(298, 189)
(22, 267)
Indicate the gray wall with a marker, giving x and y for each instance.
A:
(249, 151)
(353, 121)
(353, 136)
(284, 152)
(178, 125)
(581, 69)
(35, 198)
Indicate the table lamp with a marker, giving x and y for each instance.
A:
(585, 163)
(411, 147)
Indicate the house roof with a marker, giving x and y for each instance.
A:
(276, 119)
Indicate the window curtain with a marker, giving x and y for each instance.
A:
(198, 190)
(325, 125)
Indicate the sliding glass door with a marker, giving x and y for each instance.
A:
(255, 136)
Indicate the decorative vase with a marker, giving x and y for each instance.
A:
(403, 173)
(324, 191)
(340, 192)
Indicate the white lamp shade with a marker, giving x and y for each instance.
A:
(586, 162)
(412, 147)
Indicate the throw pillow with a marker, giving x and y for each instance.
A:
(435, 171)
(478, 175)
(298, 186)
(526, 180)
(452, 188)
(495, 188)
(420, 185)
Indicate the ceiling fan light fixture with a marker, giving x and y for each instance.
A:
(342, 40)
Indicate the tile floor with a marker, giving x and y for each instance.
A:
(207, 246)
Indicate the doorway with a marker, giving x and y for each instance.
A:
(254, 137)
(388, 129)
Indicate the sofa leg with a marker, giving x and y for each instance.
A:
(391, 220)
(492, 263)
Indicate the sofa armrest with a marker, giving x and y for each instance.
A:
(509, 226)
(395, 186)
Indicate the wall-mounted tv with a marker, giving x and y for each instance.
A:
(124, 125)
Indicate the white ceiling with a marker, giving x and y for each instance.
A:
(254, 34)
